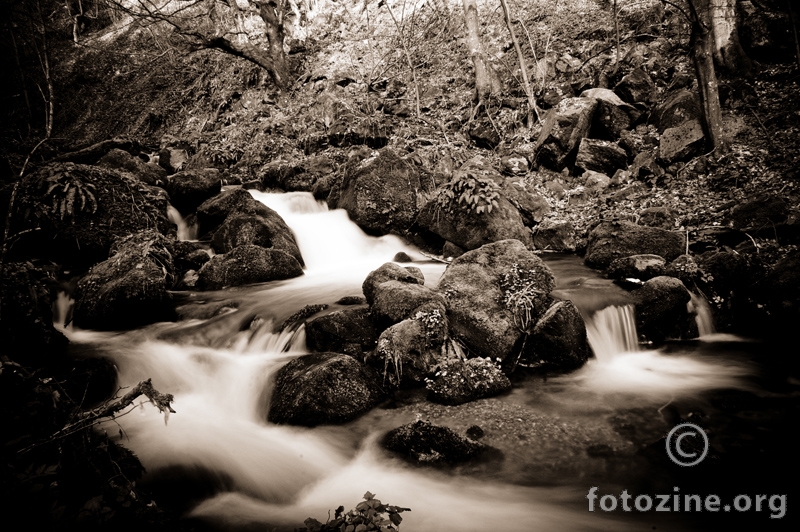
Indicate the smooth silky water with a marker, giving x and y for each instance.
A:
(225, 464)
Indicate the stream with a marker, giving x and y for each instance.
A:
(221, 463)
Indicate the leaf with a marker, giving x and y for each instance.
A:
(368, 496)
(361, 528)
(395, 518)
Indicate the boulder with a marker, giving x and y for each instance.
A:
(409, 351)
(612, 116)
(554, 235)
(681, 142)
(148, 173)
(679, 107)
(661, 310)
(662, 217)
(642, 267)
(71, 213)
(558, 340)
(484, 134)
(188, 255)
(686, 269)
(129, 289)
(531, 205)
(601, 156)
(617, 239)
(637, 87)
(759, 213)
(479, 290)
(349, 331)
(211, 213)
(267, 230)
(173, 158)
(595, 182)
(395, 301)
(424, 443)
(187, 190)
(247, 264)
(514, 165)
(461, 381)
(380, 193)
(348, 132)
(564, 127)
(390, 272)
(645, 167)
(323, 388)
(452, 251)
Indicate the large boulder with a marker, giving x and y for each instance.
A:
(661, 310)
(267, 230)
(564, 127)
(617, 239)
(679, 107)
(681, 142)
(323, 388)
(486, 291)
(461, 381)
(349, 331)
(531, 205)
(763, 212)
(559, 339)
(129, 289)
(423, 442)
(149, 173)
(380, 193)
(396, 300)
(637, 87)
(188, 189)
(601, 156)
(613, 116)
(247, 264)
(555, 235)
(71, 213)
(642, 267)
(408, 351)
(390, 272)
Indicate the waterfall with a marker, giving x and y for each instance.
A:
(185, 231)
(611, 331)
(62, 310)
(703, 316)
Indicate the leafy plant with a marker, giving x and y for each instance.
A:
(371, 514)
(520, 295)
(477, 194)
(70, 195)
(396, 360)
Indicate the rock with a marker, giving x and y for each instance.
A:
(595, 182)
(409, 351)
(473, 288)
(559, 339)
(187, 190)
(148, 173)
(564, 127)
(380, 193)
(759, 213)
(173, 159)
(684, 268)
(661, 310)
(662, 217)
(514, 165)
(681, 142)
(644, 166)
(554, 235)
(188, 255)
(452, 251)
(323, 388)
(29, 337)
(352, 300)
(288, 176)
(679, 107)
(395, 301)
(299, 318)
(423, 442)
(390, 272)
(401, 256)
(267, 230)
(75, 228)
(370, 132)
(531, 205)
(612, 116)
(349, 331)
(247, 264)
(637, 87)
(130, 288)
(484, 134)
(189, 280)
(601, 156)
(642, 267)
(618, 239)
(461, 381)
(211, 213)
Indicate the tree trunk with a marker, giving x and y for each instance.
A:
(703, 59)
(794, 31)
(728, 52)
(522, 66)
(486, 80)
(272, 13)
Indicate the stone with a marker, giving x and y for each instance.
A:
(473, 288)
(247, 264)
(681, 142)
(612, 116)
(173, 159)
(484, 134)
(564, 127)
(514, 165)
(349, 331)
(558, 340)
(637, 87)
(408, 351)
(617, 239)
(555, 235)
(188, 189)
(211, 213)
(452, 251)
(402, 256)
(422, 442)
(686, 269)
(679, 107)
(601, 156)
(759, 213)
(321, 389)
(662, 217)
(389, 272)
(395, 301)
(642, 267)
(595, 182)
(148, 173)
(661, 310)
(461, 381)
(268, 231)
(531, 205)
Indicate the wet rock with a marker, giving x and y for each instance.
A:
(661, 310)
(297, 319)
(681, 142)
(637, 87)
(130, 288)
(759, 213)
(564, 127)
(352, 300)
(323, 388)
(642, 267)
(395, 301)
(188, 255)
(173, 158)
(450, 250)
(380, 193)
(559, 339)
(425, 443)
(149, 173)
(408, 351)
(288, 176)
(617, 239)
(349, 331)
(601, 156)
(461, 381)
(247, 264)
(662, 217)
(473, 288)
(401, 256)
(211, 213)
(267, 230)
(554, 235)
(679, 107)
(390, 272)
(187, 190)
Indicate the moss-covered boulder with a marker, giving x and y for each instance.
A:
(558, 341)
(149, 173)
(461, 381)
(421, 442)
(390, 272)
(188, 189)
(267, 230)
(350, 331)
(661, 310)
(247, 264)
(618, 239)
(395, 301)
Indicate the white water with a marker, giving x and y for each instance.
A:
(185, 231)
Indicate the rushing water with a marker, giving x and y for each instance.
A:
(220, 371)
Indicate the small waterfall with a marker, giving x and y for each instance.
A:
(62, 310)
(611, 331)
(185, 231)
(703, 316)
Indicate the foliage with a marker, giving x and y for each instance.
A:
(69, 195)
(477, 194)
(520, 295)
(433, 322)
(371, 514)
(396, 360)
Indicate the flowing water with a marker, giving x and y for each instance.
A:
(556, 436)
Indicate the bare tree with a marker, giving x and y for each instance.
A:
(703, 58)
(728, 52)
(486, 80)
(532, 108)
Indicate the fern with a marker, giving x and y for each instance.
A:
(469, 191)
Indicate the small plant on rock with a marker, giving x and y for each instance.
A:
(477, 194)
(520, 295)
(371, 514)
(69, 195)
